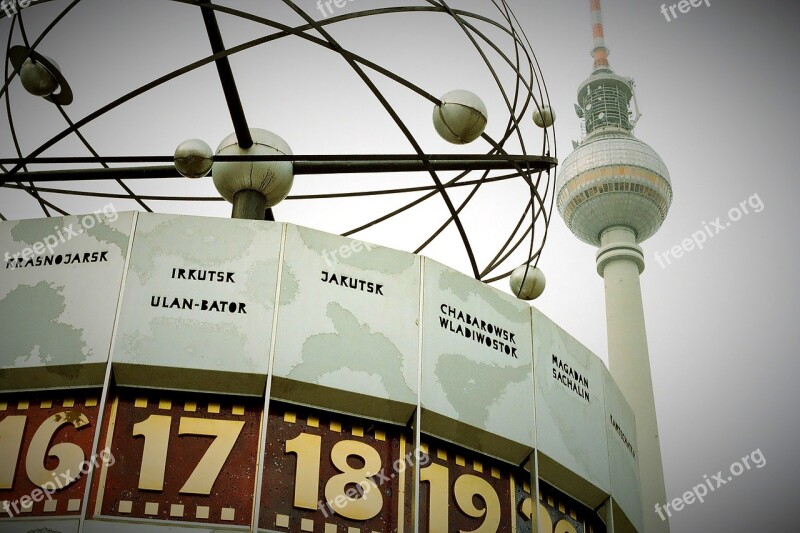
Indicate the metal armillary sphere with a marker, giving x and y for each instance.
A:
(418, 126)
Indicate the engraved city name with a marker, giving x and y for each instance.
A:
(199, 304)
(202, 275)
(219, 306)
(352, 283)
(571, 378)
(477, 330)
(57, 260)
(622, 436)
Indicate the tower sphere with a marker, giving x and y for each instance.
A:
(461, 118)
(273, 179)
(613, 179)
(36, 79)
(194, 158)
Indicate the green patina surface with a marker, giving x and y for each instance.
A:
(29, 326)
(356, 347)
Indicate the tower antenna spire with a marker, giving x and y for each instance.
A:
(600, 53)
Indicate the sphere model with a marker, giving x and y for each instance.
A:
(544, 116)
(273, 179)
(461, 118)
(527, 282)
(37, 80)
(194, 158)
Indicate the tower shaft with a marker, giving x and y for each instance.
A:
(620, 261)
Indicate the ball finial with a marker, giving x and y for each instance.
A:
(37, 80)
(527, 282)
(273, 179)
(461, 118)
(544, 116)
(194, 158)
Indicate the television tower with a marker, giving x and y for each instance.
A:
(614, 192)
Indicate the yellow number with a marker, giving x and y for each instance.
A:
(70, 456)
(545, 522)
(207, 470)
(468, 486)
(370, 502)
(12, 429)
(308, 450)
(155, 430)
(438, 478)
(565, 527)
(343, 498)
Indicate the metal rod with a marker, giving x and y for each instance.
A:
(408, 165)
(324, 158)
(304, 166)
(226, 77)
(91, 174)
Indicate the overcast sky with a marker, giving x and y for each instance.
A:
(717, 87)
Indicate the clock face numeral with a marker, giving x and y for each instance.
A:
(370, 502)
(308, 449)
(339, 488)
(70, 456)
(46, 453)
(225, 433)
(545, 521)
(465, 490)
(333, 472)
(12, 429)
(180, 457)
(156, 428)
(469, 486)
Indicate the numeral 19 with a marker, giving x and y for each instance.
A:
(465, 488)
